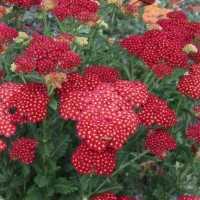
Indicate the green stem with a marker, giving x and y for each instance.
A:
(148, 75)
(74, 30)
(60, 25)
(44, 23)
(113, 19)
(119, 169)
(23, 79)
(92, 35)
(182, 176)
(132, 66)
(51, 91)
(177, 110)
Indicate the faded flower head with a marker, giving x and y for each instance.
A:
(81, 41)
(190, 48)
(55, 79)
(130, 9)
(153, 26)
(21, 37)
(102, 23)
(48, 4)
(115, 2)
(65, 37)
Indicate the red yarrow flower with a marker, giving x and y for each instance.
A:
(110, 196)
(190, 84)
(106, 74)
(24, 64)
(24, 150)
(7, 33)
(73, 104)
(189, 197)
(106, 120)
(157, 111)
(159, 141)
(99, 131)
(162, 49)
(23, 3)
(3, 145)
(87, 161)
(134, 44)
(7, 125)
(177, 14)
(46, 55)
(92, 77)
(161, 70)
(105, 196)
(83, 10)
(30, 103)
(147, 2)
(88, 18)
(194, 132)
(134, 93)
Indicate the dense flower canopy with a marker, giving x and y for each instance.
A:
(82, 10)
(23, 3)
(162, 50)
(47, 57)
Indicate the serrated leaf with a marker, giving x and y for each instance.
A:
(34, 194)
(26, 170)
(41, 181)
(64, 186)
(53, 104)
(16, 181)
(60, 147)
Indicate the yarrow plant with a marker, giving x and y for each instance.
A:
(98, 103)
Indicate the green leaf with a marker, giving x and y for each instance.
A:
(42, 181)
(64, 186)
(26, 170)
(34, 194)
(60, 147)
(53, 104)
